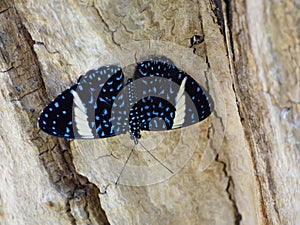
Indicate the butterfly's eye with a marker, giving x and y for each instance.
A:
(138, 136)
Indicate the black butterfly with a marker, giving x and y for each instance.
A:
(100, 105)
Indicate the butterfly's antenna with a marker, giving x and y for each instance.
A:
(117, 181)
(153, 156)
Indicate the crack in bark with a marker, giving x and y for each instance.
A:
(126, 29)
(269, 178)
(69, 213)
(226, 30)
(43, 44)
(106, 25)
(228, 17)
(252, 134)
(230, 183)
(4, 10)
(26, 94)
(263, 205)
(46, 151)
(7, 70)
(216, 7)
(239, 109)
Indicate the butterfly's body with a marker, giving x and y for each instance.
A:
(160, 97)
(134, 117)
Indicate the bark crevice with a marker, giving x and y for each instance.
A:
(228, 190)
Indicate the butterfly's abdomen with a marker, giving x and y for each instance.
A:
(134, 113)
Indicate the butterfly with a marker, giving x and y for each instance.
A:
(158, 97)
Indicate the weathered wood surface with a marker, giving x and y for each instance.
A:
(252, 50)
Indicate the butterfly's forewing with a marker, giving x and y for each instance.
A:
(190, 101)
(56, 118)
(83, 111)
(106, 124)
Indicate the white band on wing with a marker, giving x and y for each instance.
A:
(80, 117)
(180, 106)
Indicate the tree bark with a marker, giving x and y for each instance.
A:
(244, 163)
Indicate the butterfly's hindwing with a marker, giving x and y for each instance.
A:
(192, 104)
(154, 113)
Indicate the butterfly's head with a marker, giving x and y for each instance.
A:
(129, 81)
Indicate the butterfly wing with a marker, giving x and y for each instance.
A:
(56, 118)
(190, 102)
(84, 110)
(155, 113)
